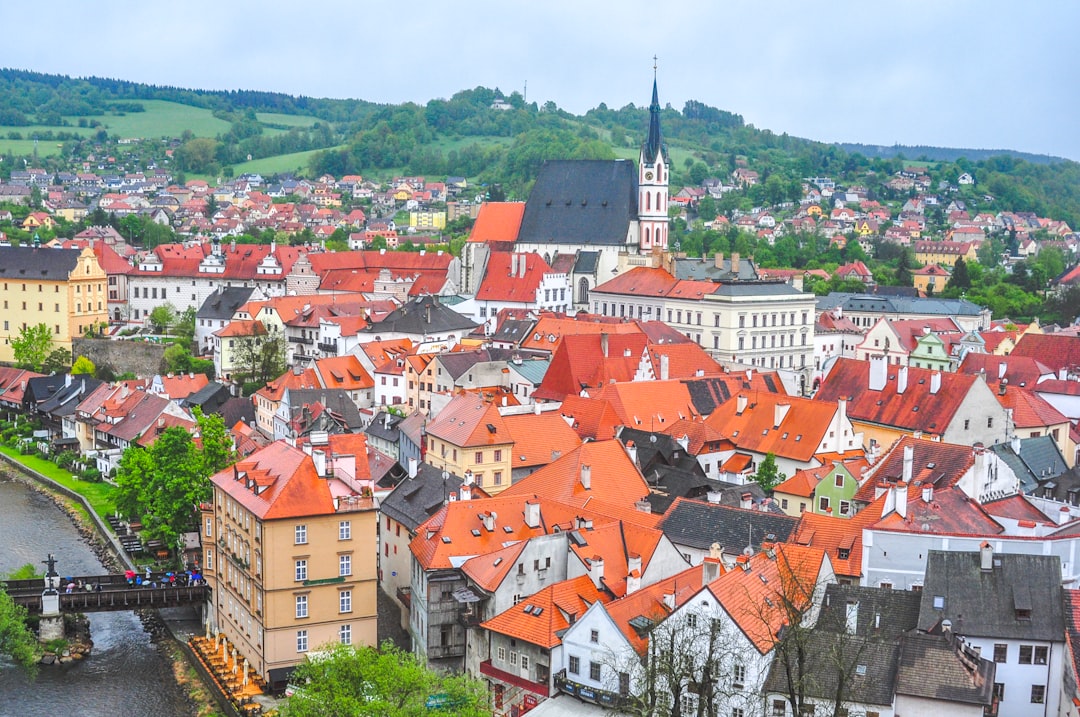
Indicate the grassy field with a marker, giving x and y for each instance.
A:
(278, 164)
(161, 119)
(26, 146)
(98, 495)
(287, 120)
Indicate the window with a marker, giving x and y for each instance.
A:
(498, 455)
(594, 671)
(594, 636)
(300, 535)
(738, 676)
(345, 601)
(344, 530)
(779, 708)
(1001, 652)
(209, 527)
(624, 683)
(524, 662)
(301, 571)
(1038, 694)
(209, 559)
(479, 457)
(839, 481)
(737, 712)
(301, 606)
(301, 641)
(1025, 654)
(990, 422)
(999, 691)
(513, 658)
(345, 634)
(823, 503)
(575, 664)
(1041, 653)
(344, 565)
(501, 653)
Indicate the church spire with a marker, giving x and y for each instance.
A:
(654, 142)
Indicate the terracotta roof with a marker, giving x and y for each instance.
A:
(241, 327)
(1018, 370)
(648, 602)
(612, 477)
(542, 618)
(488, 570)
(1016, 507)
(1029, 410)
(590, 417)
(504, 280)
(649, 405)
(756, 598)
(295, 378)
(701, 437)
(538, 436)
(840, 538)
(497, 222)
(1055, 351)
(915, 409)
(467, 421)
(950, 512)
(182, 385)
(804, 482)
(933, 463)
(591, 361)
(550, 329)
(798, 435)
(344, 372)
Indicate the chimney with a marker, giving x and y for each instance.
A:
(633, 562)
(1003, 387)
(746, 501)
(879, 372)
(669, 601)
(740, 404)
(928, 493)
(464, 492)
(935, 382)
(749, 375)
(319, 458)
(852, 617)
(780, 411)
(665, 367)
(909, 462)
(161, 422)
(900, 499)
(489, 520)
(413, 466)
(735, 263)
(718, 260)
(710, 570)
(536, 409)
(1014, 443)
(556, 455)
(604, 344)
(532, 514)
(626, 352)
(522, 267)
(643, 505)
(684, 441)
(586, 477)
(986, 556)
(513, 264)
(981, 470)
(633, 583)
(743, 561)
(1002, 367)
(901, 379)
(1063, 515)
(596, 567)
(631, 450)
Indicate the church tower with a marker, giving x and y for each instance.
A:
(653, 182)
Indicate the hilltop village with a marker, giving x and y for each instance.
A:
(586, 468)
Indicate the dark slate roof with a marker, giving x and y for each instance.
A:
(706, 270)
(983, 603)
(587, 262)
(873, 647)
(757, 288)
(210, 398)
(417, 499)
(654, 142)
(64, 400)
(1064, 488)
(457, 363)
(224, 302)
(235, 409)
(581, 202)
(335, 400)
(513, 331)
(707, 393)
(420, 316)
(384, 426)
(699, 525)
(897, 304)
(1038, 462)
(40, 388)
(940, 667)
(37, 264)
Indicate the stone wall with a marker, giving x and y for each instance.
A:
(142, 359)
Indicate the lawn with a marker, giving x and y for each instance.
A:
(161, 119)
(295, 162)
(100, 496)
(287, 120)
(22, 147)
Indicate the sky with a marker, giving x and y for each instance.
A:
(985, 74)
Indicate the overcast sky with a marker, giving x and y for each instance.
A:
(960, 73)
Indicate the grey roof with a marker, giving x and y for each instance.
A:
(67, 397)
(835, 652)
(588, 202)
(384, 426)
(940, 667)
(587, 262)
(984, 603)
(224, 302)
(236, 409)
(531, 369)
(706, 270)
(334, 400)
(37, 264)
(420, 316)
(1038, 462)
(210, 398)
(458, 363)
(699, 525)
(415, 500)
(654, 143)
(898, 304)
(757, 288)
(513, 331)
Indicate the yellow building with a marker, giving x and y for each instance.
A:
(290, 554)
(65, 289)
(427, 220)
(945, 253)
(469, 438)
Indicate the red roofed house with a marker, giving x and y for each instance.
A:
(469, 438)
(514, 280)
(277, 594)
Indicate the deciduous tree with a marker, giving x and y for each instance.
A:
(32, 346)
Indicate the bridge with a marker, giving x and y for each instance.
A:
(115, 594)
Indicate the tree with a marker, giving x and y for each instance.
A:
(162, 317)
(17, 641)
(57, 361)
(960, 278)
(32, 346)
(767, 476)
(360, 681)
(261, 357)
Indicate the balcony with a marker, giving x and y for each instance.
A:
(328, 348)
(301, 340)
(588, 693)
(404, 594)
(509, 678)
(469, 618)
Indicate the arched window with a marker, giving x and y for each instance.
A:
(583, 291)
(658, 201)
(648, 235)
(648, 201)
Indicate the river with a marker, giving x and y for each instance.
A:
(125, 675)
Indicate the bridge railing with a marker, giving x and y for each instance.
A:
(133, 599)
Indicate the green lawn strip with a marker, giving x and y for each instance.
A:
(100, 496)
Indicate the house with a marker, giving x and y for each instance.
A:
(930, 279)
(828, 489)
(699, 529)
(469, 438)
(278, 597)
(1009, 607)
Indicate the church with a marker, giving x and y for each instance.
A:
(592, 219)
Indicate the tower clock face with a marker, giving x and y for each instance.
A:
(648, 175)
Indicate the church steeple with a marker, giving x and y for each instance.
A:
(653, 182)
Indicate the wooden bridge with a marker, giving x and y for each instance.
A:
(114, 594)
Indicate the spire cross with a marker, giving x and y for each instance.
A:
(654, 66)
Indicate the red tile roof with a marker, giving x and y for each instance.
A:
(590, 417)
(497, 222)
(538, 437)
(469, 421)
(798, 435)
(1053, 350)
(1017, 370)
(1029, 410)
(560, 605)
(500, 283)
(591, 361)
(649, 405)
(612, 477)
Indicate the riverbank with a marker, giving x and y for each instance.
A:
(162, 637)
